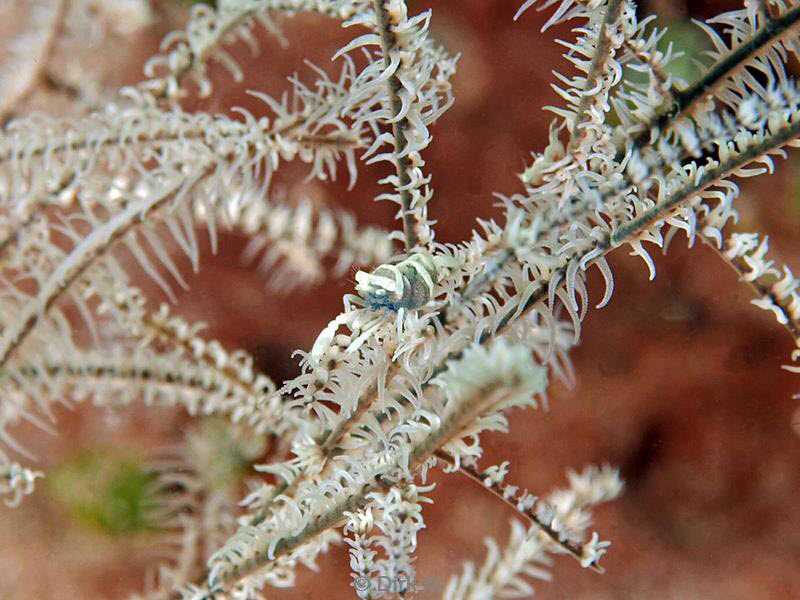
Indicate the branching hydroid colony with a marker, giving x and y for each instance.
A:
(438, 342)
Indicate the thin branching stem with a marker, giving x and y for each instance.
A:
(760, 290)
(597, 70)
(232, 19)
(549, 533)
(710, 175)
(481, 401)
(399, 126)
(75, 264)
(683, 101)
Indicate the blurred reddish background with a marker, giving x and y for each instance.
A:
(678, 381)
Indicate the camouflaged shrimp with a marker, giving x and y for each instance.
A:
(388, 289)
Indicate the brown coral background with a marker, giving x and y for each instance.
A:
(677, 381)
